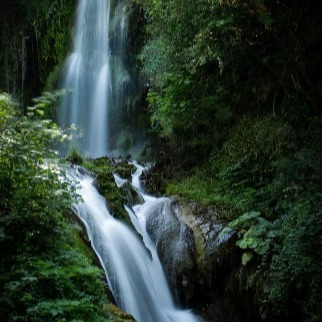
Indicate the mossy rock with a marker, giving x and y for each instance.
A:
(103, 170)
(118, 315)
(123, 168)
(130, 195)
(175, 247)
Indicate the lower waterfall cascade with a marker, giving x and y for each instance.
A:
(132, 267)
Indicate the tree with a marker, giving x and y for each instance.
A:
(211, 61)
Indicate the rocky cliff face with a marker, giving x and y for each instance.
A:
(200, 260)
(176, 247)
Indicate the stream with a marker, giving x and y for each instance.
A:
(133, 269)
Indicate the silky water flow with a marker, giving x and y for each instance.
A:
(97, 81)
(95, 77)
(133, 269)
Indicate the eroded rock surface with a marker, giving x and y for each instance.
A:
(191, 247)
(175, 246)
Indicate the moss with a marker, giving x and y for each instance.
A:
(74, 157)
(187, 216)
(119, 315)
(103, 169)
(243, 174)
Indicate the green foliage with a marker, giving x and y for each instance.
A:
(103, 170)
(62, 285)
(13, 43)
(237, 174)
(35, 36)
(188, 99)
(207, 62)
(45, 272)
(255, 234)
(75, 157)
(257, 164)
(46, 105)
(239, 80)
(125, 141)
(296, 268)
(51, 23)
(268, 175)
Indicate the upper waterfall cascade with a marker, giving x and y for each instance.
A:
(96, 76)
(132, 266)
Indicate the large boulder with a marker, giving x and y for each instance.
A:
(175, 245)
(191, 248)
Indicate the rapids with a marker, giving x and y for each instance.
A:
(133, 269)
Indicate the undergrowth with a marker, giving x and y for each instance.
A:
(268, 172)
(47, 272)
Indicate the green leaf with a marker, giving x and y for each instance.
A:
(243, 243)
(261, 250)
(246, 257)
(226, 231)
(40, 112)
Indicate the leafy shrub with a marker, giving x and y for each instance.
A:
(256, 235)
(296, 269)
(75, 157)
(269, 174)
(45, 272)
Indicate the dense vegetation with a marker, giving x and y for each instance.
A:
(209, 63)
(47, 272)
(103, 170)
(235, 95)
(34, 37)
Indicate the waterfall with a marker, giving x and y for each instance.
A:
(88, 75)
(96, 76)
(132, 267)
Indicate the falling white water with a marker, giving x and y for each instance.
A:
(87, 75)
(97, 133)
(100, 88)
(133, 269)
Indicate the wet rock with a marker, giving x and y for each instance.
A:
(130, 195)
(203, 263)
(190, 245)
(207, 227)
(175, 246)
(152, 182)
